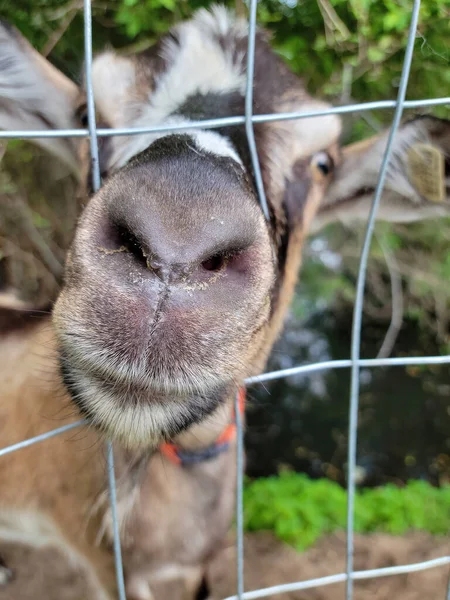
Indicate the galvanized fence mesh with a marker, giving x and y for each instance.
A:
(355, 363)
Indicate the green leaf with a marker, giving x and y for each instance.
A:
(299, 510)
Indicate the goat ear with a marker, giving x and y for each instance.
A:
(417, 181)
(35, 95)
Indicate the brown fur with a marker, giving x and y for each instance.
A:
(38, 563)
(138, 301)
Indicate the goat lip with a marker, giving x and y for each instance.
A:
(146, 375)
(138, 420)
(139, 389)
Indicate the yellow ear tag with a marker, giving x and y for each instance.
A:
(426, 171)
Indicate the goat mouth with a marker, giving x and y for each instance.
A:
(145, 368)
(135, 416)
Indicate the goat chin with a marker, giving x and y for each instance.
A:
(137, 417)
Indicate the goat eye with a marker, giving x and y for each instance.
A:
(322, 165)
(84, 119)
(82, 116)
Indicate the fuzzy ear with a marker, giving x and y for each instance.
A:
(35, 95)
(417, 185)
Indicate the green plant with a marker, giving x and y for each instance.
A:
(299, 510)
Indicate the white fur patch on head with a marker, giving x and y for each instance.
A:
(313, 134)
(197, 63)
(220, 21)
(214, 143)
(209, 141)
(113, 78)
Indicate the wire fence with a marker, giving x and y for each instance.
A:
(354, 363)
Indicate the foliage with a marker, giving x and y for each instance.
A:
(354, 48)
(299, 510)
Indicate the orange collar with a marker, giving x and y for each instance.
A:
(182, 458)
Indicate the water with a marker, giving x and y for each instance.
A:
(300, 423)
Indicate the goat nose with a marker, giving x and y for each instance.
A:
(170, 253)
(167, 260)
(180, 236)
(133, 245)
(158, 268)
(144, 255)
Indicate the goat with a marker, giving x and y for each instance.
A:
(176, 286)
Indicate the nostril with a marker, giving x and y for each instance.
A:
(130, 242)
(215, 263)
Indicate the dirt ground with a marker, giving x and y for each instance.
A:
(269, 562)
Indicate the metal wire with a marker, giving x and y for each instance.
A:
(239, 499)
(355, 362)
(249, 108)
(222, 121)
(96, 182)
(115, 521)
(92, 126)
(40, 438)
(341, 577)
(359, 299)
(271, 376)
(326, 365)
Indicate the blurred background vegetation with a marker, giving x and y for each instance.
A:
(346, 51)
